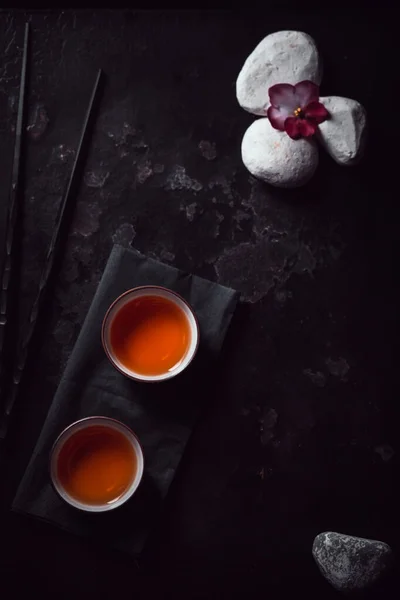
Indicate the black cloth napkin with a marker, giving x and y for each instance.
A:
(162, 414)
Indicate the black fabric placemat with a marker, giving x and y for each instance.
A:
(162, 414)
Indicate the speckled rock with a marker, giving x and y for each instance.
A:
(274, 157)
(343, 135)
(350, 564)
(281, 57)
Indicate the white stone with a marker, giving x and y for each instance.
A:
(282, 57)
(343, 135)
(274, 157)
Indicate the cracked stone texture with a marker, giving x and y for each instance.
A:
(317, 267)
(351, 564)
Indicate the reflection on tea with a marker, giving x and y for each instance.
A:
(96, 465)
(150, 335)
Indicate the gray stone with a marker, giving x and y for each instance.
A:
(96, 178)
(316, 377)
(343, 135)
(350, 564)
(385, 451)
(281, 57)
(207, 149)
(274, 157)
(144, 171)
(179, 180)
(38, 121)
(124, 235)
(338, 368)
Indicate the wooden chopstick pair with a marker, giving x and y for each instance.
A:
(10, 381)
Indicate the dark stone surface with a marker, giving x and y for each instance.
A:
(351, 564)
(301, 435)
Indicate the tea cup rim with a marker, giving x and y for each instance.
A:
(132, 374)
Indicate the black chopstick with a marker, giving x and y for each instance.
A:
(47, 271)
(12, 216)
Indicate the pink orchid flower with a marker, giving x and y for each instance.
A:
(296, 108)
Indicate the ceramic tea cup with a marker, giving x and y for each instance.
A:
(150, 334)
(96, 464)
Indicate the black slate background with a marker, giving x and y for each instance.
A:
(301, 436)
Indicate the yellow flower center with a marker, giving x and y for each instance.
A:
(297, 112)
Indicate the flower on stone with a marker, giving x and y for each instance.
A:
(296, 108)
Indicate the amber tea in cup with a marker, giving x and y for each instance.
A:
(150, 333)
(96, 464)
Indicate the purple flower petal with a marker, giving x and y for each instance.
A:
(282, 95)
(292, 128)
(317, 112)
(277, 117)
(306, 92)
(298, 128)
